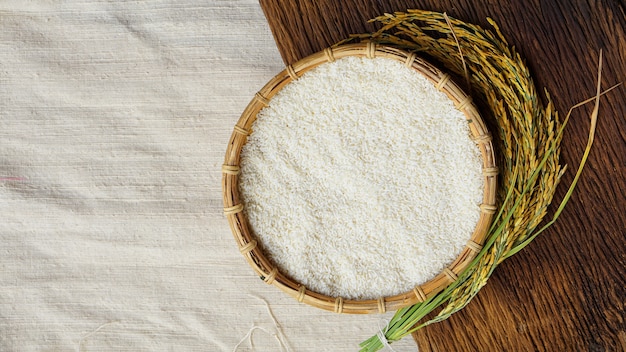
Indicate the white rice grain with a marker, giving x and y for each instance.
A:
(360, 179)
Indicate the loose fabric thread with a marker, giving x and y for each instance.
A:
(249, 337)
(278, 335)
(81, 343)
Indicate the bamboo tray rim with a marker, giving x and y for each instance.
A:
(246, 241)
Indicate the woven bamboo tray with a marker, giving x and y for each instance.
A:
(233, 208)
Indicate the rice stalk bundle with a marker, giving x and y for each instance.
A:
(527, 135)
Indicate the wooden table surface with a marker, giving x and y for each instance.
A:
(566, 291)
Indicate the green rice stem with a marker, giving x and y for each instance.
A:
(529, 140)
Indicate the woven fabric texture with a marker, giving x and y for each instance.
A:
(114, 119)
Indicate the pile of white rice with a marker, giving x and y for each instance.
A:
(360, 179)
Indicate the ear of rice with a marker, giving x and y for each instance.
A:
(528, 140)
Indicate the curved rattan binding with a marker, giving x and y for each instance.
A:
(238, 221)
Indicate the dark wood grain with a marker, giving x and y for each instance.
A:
(567, 290)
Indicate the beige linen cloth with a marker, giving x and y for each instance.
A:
(114, 119)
